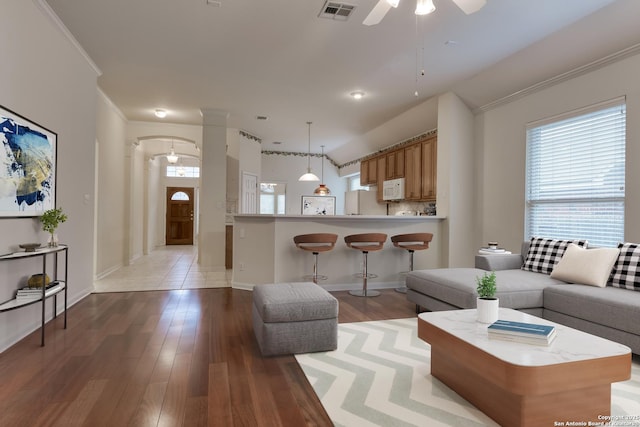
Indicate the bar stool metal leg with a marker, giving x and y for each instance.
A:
(403, 289)
(365, 275)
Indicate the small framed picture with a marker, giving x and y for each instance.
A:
(318, 205)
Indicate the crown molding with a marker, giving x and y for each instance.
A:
(113, 106)
(576, 72)
(57, 22)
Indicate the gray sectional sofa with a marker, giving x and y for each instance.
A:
(609, 312)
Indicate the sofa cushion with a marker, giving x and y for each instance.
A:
(626, 270)
(544, 254)
(457, 286)
(613, 307)
(586, 266)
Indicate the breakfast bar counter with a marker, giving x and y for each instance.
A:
(264, 251)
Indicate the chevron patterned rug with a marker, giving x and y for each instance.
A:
(379, 376)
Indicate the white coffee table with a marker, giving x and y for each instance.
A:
(522, 384)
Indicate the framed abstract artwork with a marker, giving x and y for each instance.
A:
(27, 166)
(318, 205)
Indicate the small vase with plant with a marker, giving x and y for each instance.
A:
(50, 220)
(487, 303)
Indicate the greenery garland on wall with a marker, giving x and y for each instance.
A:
(289, 153)
(249, 136)
(352, 162)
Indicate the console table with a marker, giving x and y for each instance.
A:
(522, 384)
(53, 291)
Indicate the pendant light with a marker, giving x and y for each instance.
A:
(322, 190)
(309, 176)
(424, 7)
(171, 157)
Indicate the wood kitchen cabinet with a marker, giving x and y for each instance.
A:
(429, 169)
(369, 171)
(413, 172)
(415, 162)
(395, 164)
(381, 176)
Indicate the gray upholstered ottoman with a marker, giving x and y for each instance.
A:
(294, 318)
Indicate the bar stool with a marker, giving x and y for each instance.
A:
(411, 242)
(316, 243)
(365, 243)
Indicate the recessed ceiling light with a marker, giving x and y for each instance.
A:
(262, 117)
(160, 113)
(357, 95)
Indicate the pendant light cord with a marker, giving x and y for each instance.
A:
(309, 149)
(322, 170)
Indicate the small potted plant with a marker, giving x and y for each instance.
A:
(487, 303)
(50, 220)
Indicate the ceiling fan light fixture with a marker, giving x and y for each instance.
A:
(357, 94)
(160, 113)
(424, 7)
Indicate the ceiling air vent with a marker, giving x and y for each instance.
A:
(337, 11)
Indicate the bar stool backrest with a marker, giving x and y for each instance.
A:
(412, 241)
(366, 241)
(316, 242)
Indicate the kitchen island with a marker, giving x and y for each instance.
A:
(264, 252)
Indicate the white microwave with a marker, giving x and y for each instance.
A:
(393, 189)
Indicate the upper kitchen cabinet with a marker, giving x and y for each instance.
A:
(395, 161)
(382, 175)
(414, 161)
(369, 171)
(413, 172)
(429, 169)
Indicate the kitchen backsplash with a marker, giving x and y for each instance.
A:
(416, 208)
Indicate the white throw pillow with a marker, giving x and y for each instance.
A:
(586, 266)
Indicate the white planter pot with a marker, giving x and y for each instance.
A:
(487, 310)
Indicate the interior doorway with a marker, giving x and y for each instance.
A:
(249, 194)
(179, 220)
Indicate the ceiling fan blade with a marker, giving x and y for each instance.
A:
(377, 13)
(470, 6)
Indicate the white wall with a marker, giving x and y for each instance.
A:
(501, 135)
(288, 168)
(455, 185)
(48, 81)
(154, 197)
(111, 205)
(137, 220)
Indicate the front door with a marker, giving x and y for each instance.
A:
(179, 216)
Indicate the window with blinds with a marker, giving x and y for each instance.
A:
(575, 175)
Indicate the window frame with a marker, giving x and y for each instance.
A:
(579, 192)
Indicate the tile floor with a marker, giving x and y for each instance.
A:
(167, 267)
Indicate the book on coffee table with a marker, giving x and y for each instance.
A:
(531, 333)
(524, 339)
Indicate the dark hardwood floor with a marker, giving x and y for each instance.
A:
(165, 358)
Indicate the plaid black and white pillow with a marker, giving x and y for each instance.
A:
(626, 270)
(544, 253)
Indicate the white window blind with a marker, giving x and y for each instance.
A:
(575, 176)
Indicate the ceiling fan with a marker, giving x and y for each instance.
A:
(423, 7)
